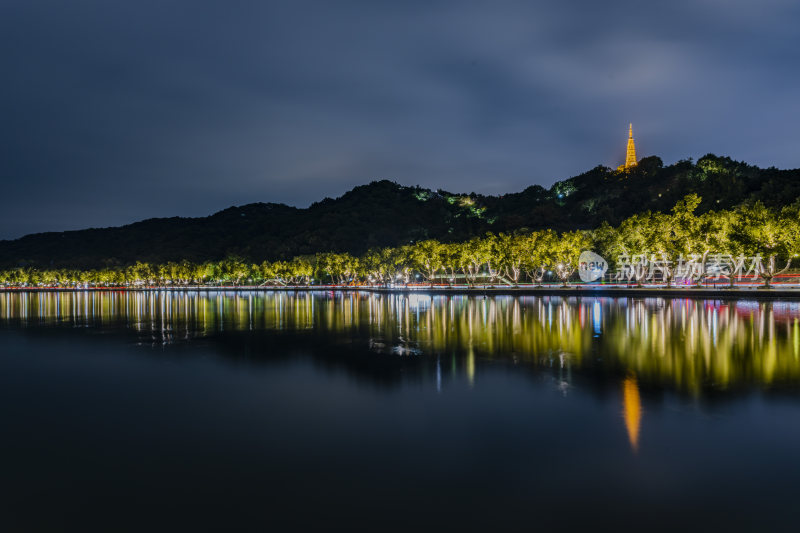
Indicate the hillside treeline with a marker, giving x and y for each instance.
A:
(385, 214)
(769, 235)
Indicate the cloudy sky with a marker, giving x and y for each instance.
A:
(111, 111)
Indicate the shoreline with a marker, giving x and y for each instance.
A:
(738, 293)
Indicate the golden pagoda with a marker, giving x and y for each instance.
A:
(630, 155)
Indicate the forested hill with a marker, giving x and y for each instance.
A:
(384, 213)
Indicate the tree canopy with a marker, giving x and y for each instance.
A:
(662, 240)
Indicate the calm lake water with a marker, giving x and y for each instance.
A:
(289, 411)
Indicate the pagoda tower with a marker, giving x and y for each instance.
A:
(630, 156)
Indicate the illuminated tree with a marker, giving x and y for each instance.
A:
(338, 267)
(212, 271)
(234, 269)
(302, 270)
(540, 246)
(462, 257)
(512, 252)
(450, 253)
(565, 253)
(428, 258)
(140, 273)
(475, 255)
(386, 265)
(766, 234)
(266, 271)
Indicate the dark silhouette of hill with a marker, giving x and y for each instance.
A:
(384, 213)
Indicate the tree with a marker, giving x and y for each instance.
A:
(428, 258)
(475, 255)
(141, 273)
(567, 251)
(339, 267)
(234, 269)
(301, 270)
(766, 234)
(513, 252)
(540, 246)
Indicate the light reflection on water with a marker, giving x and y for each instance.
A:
(632, 410)
(511, 402)
(682, 343)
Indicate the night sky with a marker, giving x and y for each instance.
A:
(111, 112)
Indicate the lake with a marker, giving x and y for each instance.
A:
(203, 410)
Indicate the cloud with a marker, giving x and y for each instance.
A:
(116, 112)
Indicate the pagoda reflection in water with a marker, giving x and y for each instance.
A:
(632, 410)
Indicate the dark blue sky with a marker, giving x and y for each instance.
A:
(111, 112)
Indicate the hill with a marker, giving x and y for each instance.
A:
(384, 213)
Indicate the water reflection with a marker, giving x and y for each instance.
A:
(689, 345)
(632, 410)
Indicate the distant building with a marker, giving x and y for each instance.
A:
(630, 155)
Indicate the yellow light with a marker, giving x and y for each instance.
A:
(632, 405)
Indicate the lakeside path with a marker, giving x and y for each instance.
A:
(739, 293)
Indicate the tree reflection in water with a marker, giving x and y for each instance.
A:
(684, 344)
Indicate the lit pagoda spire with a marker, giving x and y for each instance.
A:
(630, 156)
